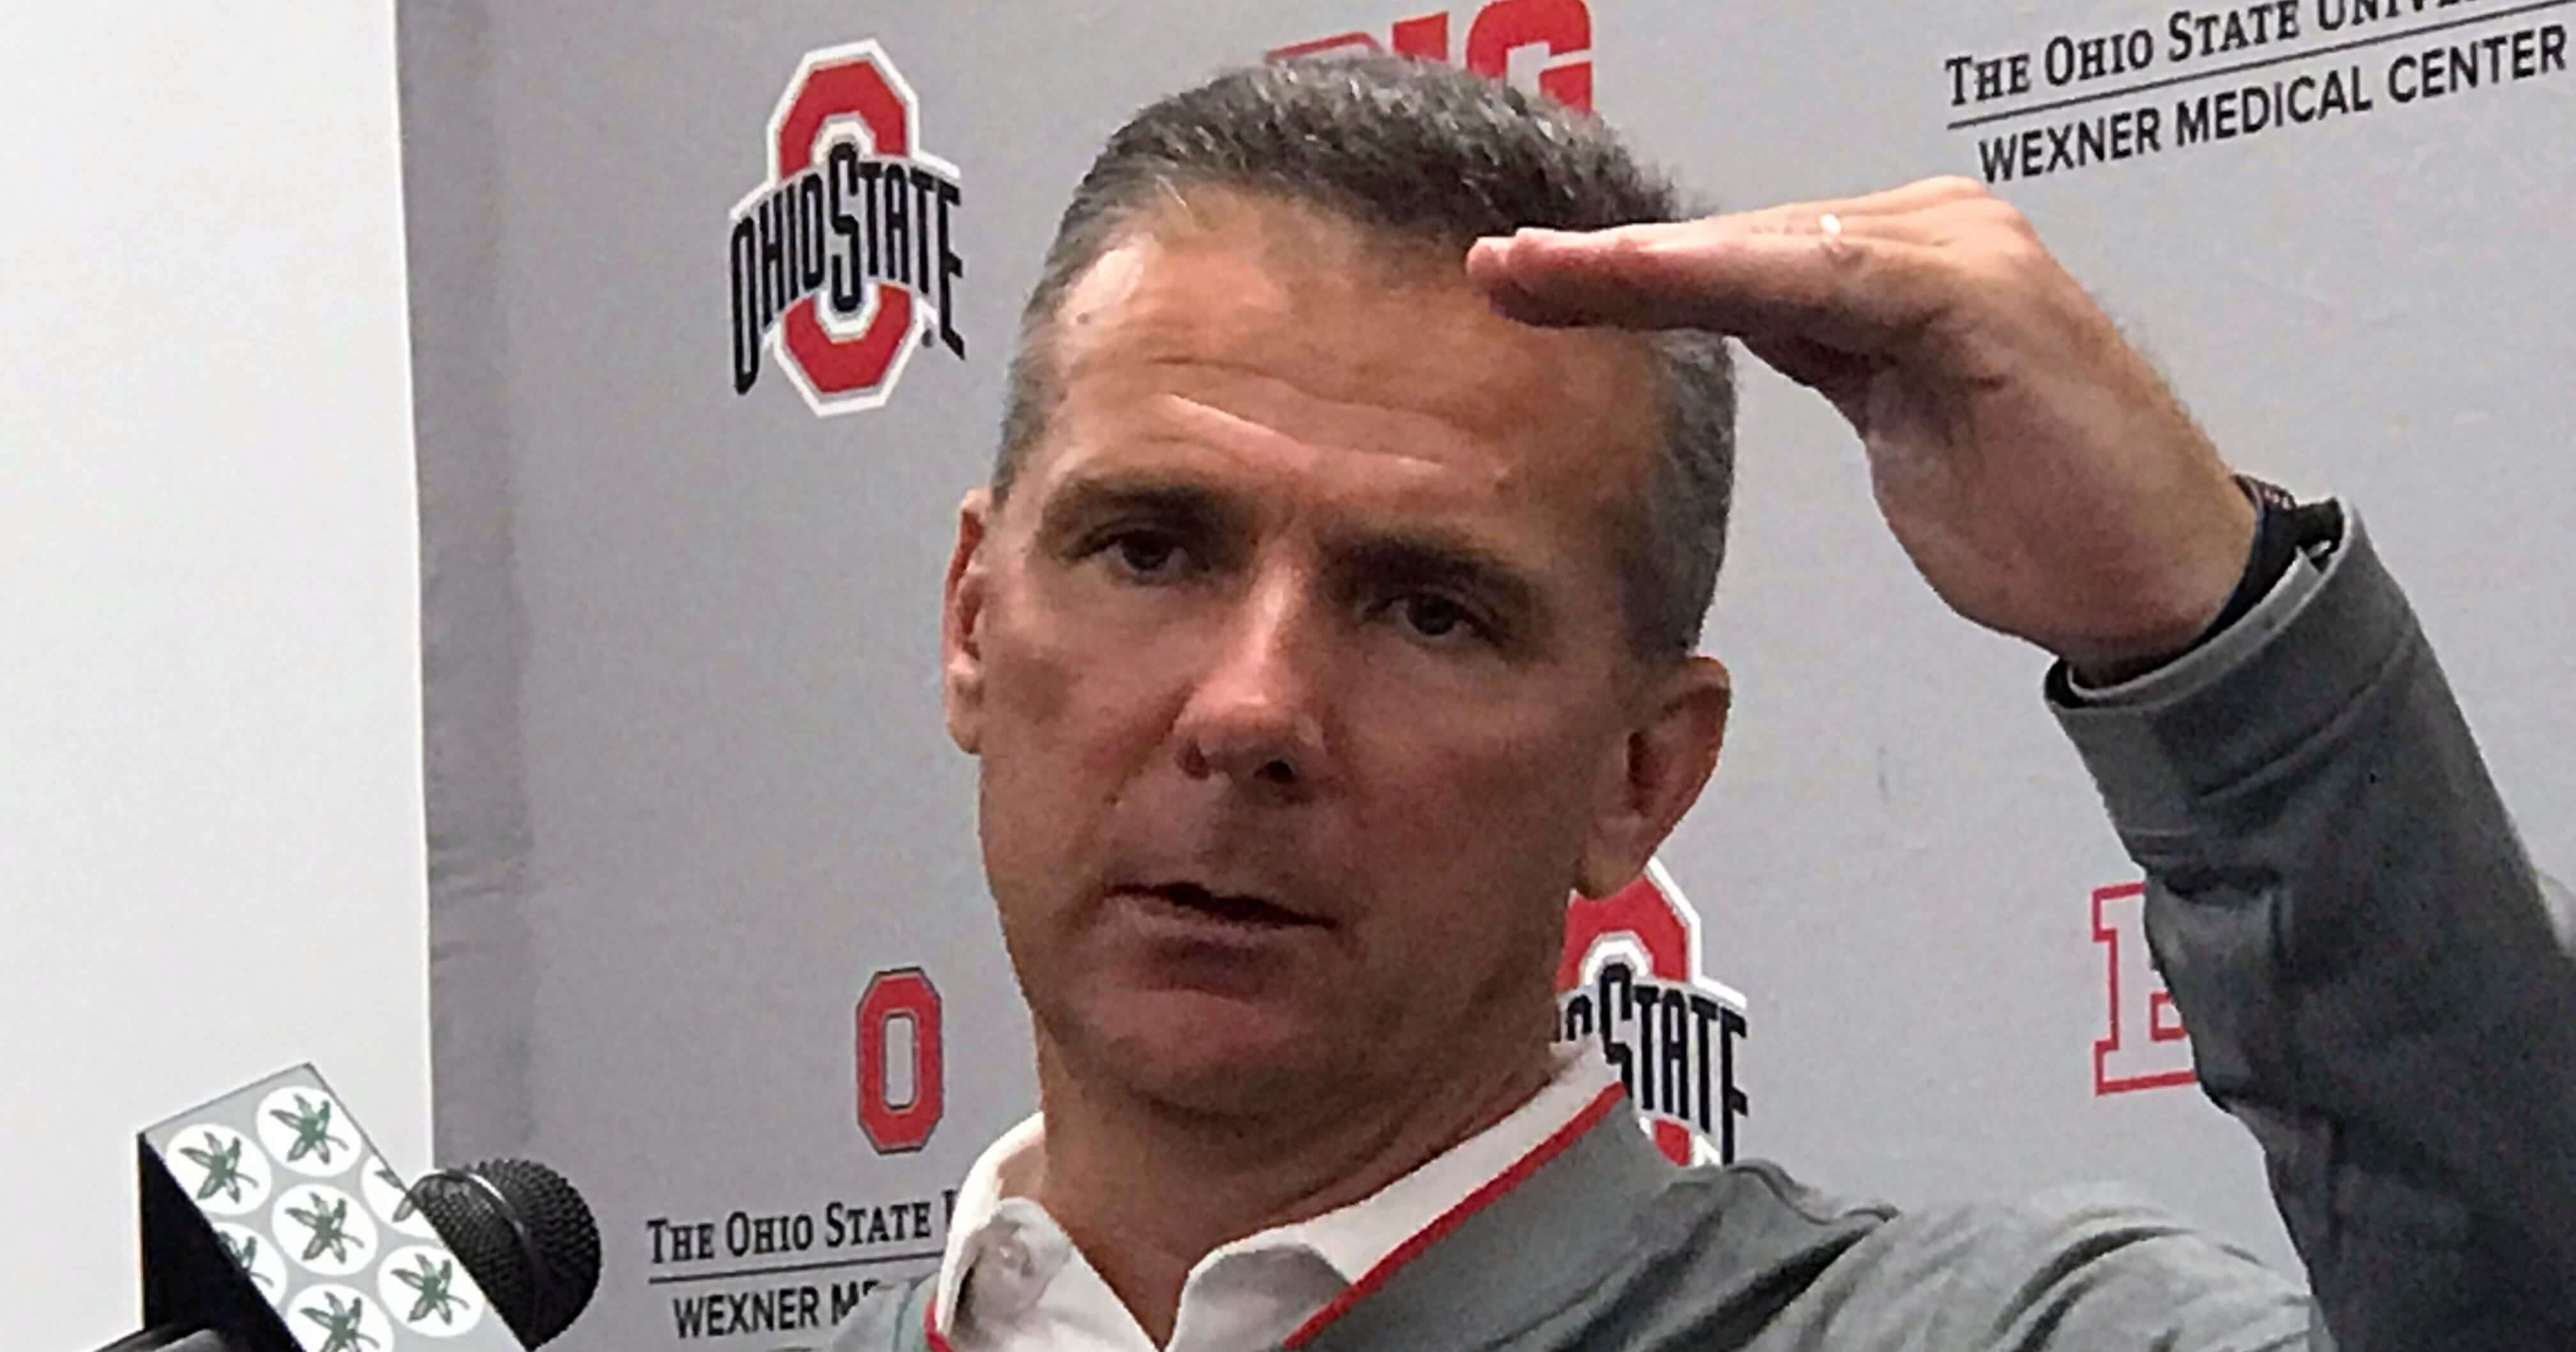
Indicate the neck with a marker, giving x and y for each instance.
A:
(1147, 1189)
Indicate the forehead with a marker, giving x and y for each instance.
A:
(1251, 328)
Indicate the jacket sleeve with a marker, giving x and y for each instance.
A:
(2376, 981)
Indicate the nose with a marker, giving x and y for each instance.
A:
(1254, 716)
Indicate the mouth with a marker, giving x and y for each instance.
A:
(1233, 908)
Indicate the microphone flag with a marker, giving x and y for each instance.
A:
(270, 1217)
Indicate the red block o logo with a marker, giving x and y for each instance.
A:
(903, 994)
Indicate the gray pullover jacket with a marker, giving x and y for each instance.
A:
(2376, 984)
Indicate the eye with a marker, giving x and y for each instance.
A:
(1433, 616)
(1146, 555)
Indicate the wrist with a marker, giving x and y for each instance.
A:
(2252, 546)
(2284, 529)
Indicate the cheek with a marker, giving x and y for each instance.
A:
(1482, 805)
(1510, 757)
(1086, 709)
(1068, 726)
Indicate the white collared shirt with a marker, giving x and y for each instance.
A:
(1032, 1288)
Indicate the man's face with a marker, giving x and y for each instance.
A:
(1297, 667)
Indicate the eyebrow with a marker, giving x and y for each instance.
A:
(1377, 557)
(1086, 501)
(1444, 559)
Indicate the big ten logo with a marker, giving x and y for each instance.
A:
(1630, 975)
(901, 1068)
(1540, 44)
(2145, 1047)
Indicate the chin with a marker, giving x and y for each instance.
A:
(1211, 1054)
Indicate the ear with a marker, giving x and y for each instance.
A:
(1659, 770)
(961, 616)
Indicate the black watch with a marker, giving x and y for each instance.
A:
(2284, 529)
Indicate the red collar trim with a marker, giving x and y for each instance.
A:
(1451, 1219)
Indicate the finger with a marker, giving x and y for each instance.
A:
(1890, 206)
(1933, 211)
(1920, 195)
(1930, 212)
(1849, 290)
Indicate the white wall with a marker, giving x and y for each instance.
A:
(210, 813)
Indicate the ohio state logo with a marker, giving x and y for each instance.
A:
(845, 259)
(1631, 976)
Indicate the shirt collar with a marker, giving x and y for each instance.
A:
(1354, 1239)
(1013, 1157)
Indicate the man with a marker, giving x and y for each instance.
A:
(1332, 611)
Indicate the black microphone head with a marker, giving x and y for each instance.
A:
(524, 1233)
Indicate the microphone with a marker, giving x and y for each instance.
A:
(524, 1233)
(271, 1224)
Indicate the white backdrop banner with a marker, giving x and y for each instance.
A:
(711, 306)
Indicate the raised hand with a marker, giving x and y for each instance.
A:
(2035, 468)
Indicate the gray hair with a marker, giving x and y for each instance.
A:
(1423, 153)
